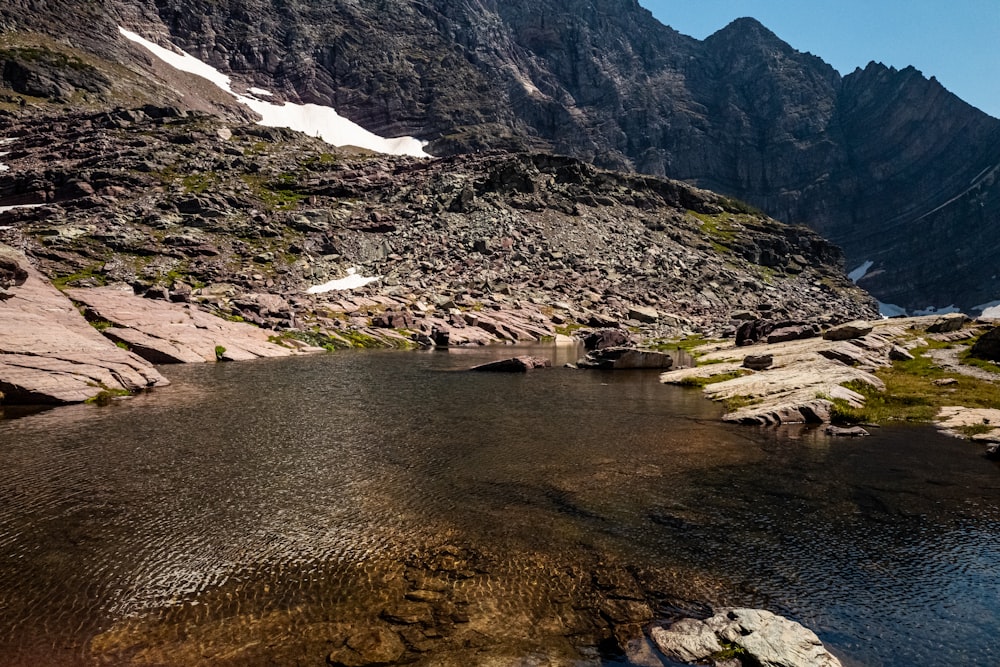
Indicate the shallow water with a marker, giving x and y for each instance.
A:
(255, 512)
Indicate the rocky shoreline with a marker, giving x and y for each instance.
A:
(145, 215)
(776, 381)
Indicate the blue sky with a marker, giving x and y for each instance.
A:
(957, 41)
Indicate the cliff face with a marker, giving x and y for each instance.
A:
(881, 161)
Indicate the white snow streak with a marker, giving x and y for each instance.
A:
(992, 312)
(260, 92)
(860, 272)
(312, 119)
(352, 281)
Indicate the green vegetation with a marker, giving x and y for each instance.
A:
(705, 381)
(122, 344)
(736, 402)
(44, 56)
(975, 429)
(719, 228)
(219, 352)
(729, 651)
(688, 345)
(199, 183)
(277, 195)
(969, 360)
(568, 329)
(89, 273)
(106, 395)
(100, 325)
(911, 396)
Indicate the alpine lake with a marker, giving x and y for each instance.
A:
(367, 506)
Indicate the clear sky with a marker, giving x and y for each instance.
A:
(957, 41)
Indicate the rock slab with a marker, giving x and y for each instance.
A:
(163, 332)
(49, 354)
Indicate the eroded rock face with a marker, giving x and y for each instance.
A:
(48, 351)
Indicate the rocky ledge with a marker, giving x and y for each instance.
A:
(48, 352)
(803, 380)
(76, 346)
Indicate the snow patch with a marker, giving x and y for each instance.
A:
(312, 119)
(993, 312)
(990, 310)
(260, 92)
(352, 281)
(860, 272)
(888, 310)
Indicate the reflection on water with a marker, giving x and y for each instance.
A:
(271, 511)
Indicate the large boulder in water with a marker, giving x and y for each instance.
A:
(604, 338)
(513, 365)
(768, 639)
(626, 358)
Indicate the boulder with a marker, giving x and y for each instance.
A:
(794, 332)
(768, 639)
(774, 641)
(947, 323)
(898, 353)
(521, 364)
(643, 314)
(988, 346)
(758, 362)
(849, 330)
(626, 358)
(605, 338)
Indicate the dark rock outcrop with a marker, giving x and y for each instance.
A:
(625, 358)
(521, 364)
(988, 346)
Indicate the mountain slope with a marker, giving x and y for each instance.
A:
(884, 162)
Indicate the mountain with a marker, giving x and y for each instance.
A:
(884, 162)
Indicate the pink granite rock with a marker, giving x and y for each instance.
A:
(165, 332)
(48, 351)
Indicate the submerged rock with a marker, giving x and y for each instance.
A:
(846, 432)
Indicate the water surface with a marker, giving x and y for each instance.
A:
(262, 512)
